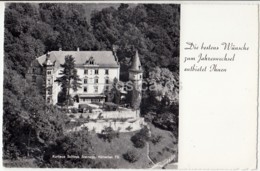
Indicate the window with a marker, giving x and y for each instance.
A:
(96, 89)
(49, 81)
(106, 80)
(96, 71)
(106, 72)
(34, 70)
(48, 72)
(48, 99)
(49, 91)
(140, 76)
(85, 89)
(34, 79)
(106, 88)
(95, 100)
(85, 81)
(85, 71)
(96, 80)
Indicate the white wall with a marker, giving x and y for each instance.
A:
(113, 73)
(116, 125)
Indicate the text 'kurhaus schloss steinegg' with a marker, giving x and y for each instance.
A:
(207, 57)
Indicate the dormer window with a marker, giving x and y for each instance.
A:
(91, 60)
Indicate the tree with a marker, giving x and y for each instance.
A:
(163, 83)
(70, 27)
(74, 143)
(108, 134)
(131, 156)
(117, 86)
(69, 79)
(140, 138)
(168, 121)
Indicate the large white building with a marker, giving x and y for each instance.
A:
(96, 69)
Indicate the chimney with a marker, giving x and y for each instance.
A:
(47, 54)
(60, 49)
(114, 48)
(78, 49)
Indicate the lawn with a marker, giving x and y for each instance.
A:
(160, 151)
(119, 146)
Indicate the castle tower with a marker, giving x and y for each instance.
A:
(48, 79)
(136, 77)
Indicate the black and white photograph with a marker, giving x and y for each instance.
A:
(91, 85)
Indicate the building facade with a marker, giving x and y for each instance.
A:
(96, 69)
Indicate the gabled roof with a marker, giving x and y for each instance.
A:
(136, 64)
(101, 58)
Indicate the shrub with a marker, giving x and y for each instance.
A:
(140, 138)
(129, 128)
(145, 133)
(131, 156)
(138, 141)
(123, 119)
(156, 139)
(87, 119)
(81, 116)
(74, 110)
(108, 134)
(72, 116)
(100, 116)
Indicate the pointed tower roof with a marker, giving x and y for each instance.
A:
(136, 64)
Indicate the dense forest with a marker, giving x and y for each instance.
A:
(30, 127)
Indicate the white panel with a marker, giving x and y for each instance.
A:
(218, 110)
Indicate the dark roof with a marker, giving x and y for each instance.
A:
(136, 64)
(101, 58)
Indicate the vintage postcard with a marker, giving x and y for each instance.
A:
(129, 85)
(91, 85)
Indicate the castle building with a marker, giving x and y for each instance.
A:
(96, 69)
